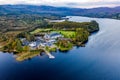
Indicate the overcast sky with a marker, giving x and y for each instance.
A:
(66, 3)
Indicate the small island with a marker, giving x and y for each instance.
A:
(47, 37)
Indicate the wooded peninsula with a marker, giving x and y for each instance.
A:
(29, 35)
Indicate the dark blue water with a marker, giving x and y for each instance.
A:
(99, 60)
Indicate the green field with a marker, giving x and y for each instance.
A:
(66, 34)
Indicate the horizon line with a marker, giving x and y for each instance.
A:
(59, 6)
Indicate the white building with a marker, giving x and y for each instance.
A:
(33, 44)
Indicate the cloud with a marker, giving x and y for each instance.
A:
(94, 4)
(66, 3)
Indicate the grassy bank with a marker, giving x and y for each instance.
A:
(26, 55)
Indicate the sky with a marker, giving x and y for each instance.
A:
(66, 3)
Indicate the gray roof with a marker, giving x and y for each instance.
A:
(54, 34)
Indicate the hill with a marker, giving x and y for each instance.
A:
(101, 12)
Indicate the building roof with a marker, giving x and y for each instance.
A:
(54, 34)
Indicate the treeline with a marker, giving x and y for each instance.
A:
(15, 45)
(116, 16)
(23, 22)
(103, 15)
(26, 35)
(68, 25)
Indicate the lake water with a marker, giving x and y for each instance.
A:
(99, 60)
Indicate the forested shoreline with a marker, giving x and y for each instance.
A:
(29, 27)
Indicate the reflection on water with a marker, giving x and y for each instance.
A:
(99, 60)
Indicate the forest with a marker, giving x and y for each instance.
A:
(68, 25)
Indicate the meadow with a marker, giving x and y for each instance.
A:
(65, 33)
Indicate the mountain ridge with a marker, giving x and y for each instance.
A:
(100, 12)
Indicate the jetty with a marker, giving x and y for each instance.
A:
(49, 54)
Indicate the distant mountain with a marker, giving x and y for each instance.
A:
(101, 12)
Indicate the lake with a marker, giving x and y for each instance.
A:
(99, 60)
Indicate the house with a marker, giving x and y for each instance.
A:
(47, 36)
(49, 44)
(24, 41)
(38, 38)
(42, 44)
(52, 41)
(33, 44)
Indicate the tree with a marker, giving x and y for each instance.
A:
(64, 45)
(26, 48)
(14, 44)
(26, 35)
(81, 35)
(18, 45)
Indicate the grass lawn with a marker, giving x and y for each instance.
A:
(67, 34)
